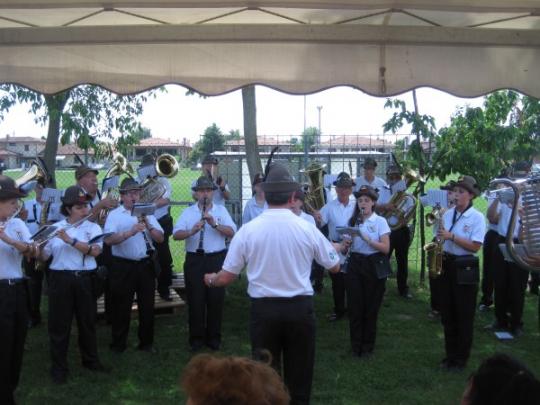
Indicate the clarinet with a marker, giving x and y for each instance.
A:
(200, 249)
(359, 220)
(149, 248)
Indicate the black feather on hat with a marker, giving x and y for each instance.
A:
(344, 180)
(279, 180)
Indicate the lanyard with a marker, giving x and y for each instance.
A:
(455, 220)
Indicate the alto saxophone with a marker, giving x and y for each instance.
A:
(434, 249)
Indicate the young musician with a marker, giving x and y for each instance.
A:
(257, 204)
(37, 213)
(298, 207)
(278, 248)
(204, 226)
(369, 178)
(164, 218)
(222, 192)
(337, 213)
(132, 269)
(71, 282)
(463, 232)
(365, 282)
(400, 238)
(14, 242)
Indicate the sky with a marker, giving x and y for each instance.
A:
(345, 111)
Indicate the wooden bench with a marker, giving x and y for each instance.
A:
(160, 306)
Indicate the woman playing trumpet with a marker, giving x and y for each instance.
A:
(71, 282)
(463, 233)
(14, 242)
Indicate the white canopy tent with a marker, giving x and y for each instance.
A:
(465, 47)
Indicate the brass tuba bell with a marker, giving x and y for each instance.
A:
(315, 190)
(166, 166)
(404, 203)
(37, 172)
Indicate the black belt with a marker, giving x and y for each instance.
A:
(12, 281)
(141, 261)
(207, 254)
(74, 273)
(362, 255)
(283, 299)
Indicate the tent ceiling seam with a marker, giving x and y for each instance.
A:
(70, 23)
(140, 16)
(13, 20)
(419, 18)
(281, 16)
(500, 20)
(348, 20)
(217, 17)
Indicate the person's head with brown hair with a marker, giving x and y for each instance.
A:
(210, 380)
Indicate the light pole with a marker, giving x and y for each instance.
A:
(319, 107)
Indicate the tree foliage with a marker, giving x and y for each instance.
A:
(481, 141)
(308, 139)
(80, 115)
(211, 141)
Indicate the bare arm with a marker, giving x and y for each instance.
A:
(492, 215)
(221, 279)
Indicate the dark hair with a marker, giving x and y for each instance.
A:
(210, 380)
(273, 198)
(501, 379)
(64, 207)
(356, 212)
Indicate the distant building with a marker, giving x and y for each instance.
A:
(159, 146)
(266, 144)
(354, 143)
(66, 156)
(17, 151)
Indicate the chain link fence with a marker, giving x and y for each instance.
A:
(336, 153)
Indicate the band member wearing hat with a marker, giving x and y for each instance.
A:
(257, 204)
(367, 271)
(37, 213)
(510, 280)
(435, 282)
(132, 270)
(14, 242)
(164, 218)
(463, 232)
(400, 238)
(86, 178)
(298, 207)
(278, 248)
(337, 213)
(210, 170)
(204, 226)
(369, 178)
(71, 282)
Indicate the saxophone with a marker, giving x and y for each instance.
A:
(434, 249)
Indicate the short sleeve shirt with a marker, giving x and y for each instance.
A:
(11, 258)
(375, 227)
(470, 225)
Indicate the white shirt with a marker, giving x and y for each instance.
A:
(66, 257)
(162, 211)
(33, 208)
(307, 217)
(505, 212)
(471, 225)
(213, 240)
(490, 226)
(253, 210)
(375, 227)
(121, 220)
(95, 200)
(278, 248)
(217, 195)
(336, 214)
(377, 183)
(11, 258)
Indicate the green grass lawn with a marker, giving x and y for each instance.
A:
(404, 369)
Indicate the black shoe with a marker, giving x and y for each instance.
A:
(97, 367)
(197, 347)
(213, 346)
(335, 317)
(166, 297)
(495, 327)
(32, 323)
(407, 295)
(434, 314)
(517, 332)
(116, 349)
(147, 348)
(484, 307)
(444, 364)
(59, 378)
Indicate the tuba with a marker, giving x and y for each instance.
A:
(434, 249)
(37, 172)
(404, 203)
(120, 166)
(166, 166)
(526, 254)
(315, 187)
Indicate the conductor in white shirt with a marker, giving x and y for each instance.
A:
(278, 248)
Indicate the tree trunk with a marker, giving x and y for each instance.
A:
(250, 131)
(55, 107)
(421, 172)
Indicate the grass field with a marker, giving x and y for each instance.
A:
(404, 369)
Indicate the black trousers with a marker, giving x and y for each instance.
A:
(286, 328)
(399, 243)
(71, 295)
(164, 256)
(365, 293)
(458, 305)
(338, 292)
(491, 243)
(127, 277)
(35, 288)
(205, 305)
(102, 281)
(13, 328)
(510, 285)
(317, 276)
(435, 293)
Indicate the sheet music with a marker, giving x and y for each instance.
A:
(437, 197)
(424, 200)
(110, 183)
(52, 195)
(143, 209)
(145, 172)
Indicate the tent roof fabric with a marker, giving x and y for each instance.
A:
(464, 47)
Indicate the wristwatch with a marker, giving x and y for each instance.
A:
(215, 225)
